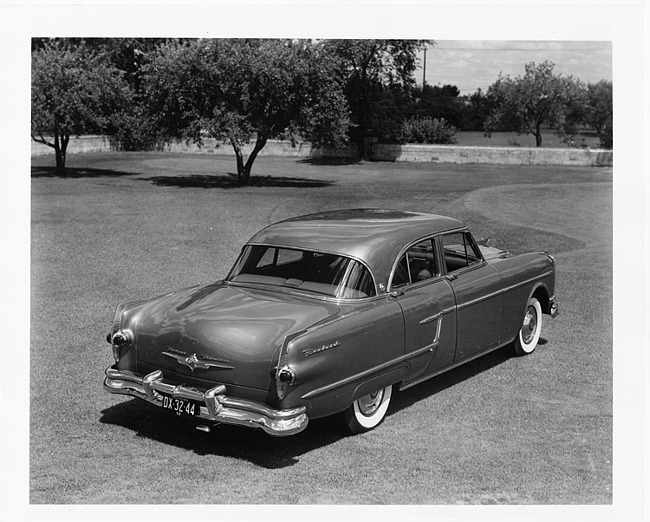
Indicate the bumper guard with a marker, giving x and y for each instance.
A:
(216, 406)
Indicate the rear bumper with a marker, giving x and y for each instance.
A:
(216, 406)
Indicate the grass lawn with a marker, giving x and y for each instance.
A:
(499, 430)
(511, 139)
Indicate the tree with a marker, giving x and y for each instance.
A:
(478, 108)
(440, 103)
(74, 91)
(368, 68)
(600, 109)
(237, 91)
(538, 98)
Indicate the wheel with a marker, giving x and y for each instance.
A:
(369, 411)
(528, 337)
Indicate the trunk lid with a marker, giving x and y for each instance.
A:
(223, 333)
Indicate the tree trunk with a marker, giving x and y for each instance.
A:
(240, 161)
(60, 149)
(538, 136)
(244, 169)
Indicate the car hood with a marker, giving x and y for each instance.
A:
(222, 333)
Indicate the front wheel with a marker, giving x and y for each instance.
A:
(526, 341)
(369, 411)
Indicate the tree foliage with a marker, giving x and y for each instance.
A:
(528, 102)
(237, 91)
(599, 112)
(74, 91)
(144, 91)
(374, 71)
(438, 102)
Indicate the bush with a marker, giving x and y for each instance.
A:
(427, 130)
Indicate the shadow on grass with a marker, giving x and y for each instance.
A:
(231, 181)
(448, 379)
(252, 445)
(330, 161)
(74, 172)
(259, 448)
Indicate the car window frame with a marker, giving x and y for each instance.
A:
(403, 252)
(377, 289)
(480, 260)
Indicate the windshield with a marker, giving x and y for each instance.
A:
(327, 274)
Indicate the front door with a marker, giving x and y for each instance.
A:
(477, 288)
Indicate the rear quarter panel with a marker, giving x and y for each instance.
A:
(523, 275)
(338, 361)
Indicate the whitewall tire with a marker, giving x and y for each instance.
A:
(528, 336)
(369, 411)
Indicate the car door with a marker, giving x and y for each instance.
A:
(428, 306)
(477, 289)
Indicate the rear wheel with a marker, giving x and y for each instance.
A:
(526, 341)
(368, 411)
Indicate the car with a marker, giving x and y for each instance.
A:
(327, 314)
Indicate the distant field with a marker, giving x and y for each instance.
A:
(511, 139)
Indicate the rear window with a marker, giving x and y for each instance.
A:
(316, 272)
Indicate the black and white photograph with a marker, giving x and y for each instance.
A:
(325, 260)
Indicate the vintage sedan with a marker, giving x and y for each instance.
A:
(326, 314)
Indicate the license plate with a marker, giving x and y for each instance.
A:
(181, 406)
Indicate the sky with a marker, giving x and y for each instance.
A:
(470, 64)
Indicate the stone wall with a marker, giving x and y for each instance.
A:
(76, 145)
(377, 152)
(493, 155)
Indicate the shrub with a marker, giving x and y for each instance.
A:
(427, 130)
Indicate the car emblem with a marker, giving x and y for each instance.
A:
(193, 362)
(312, 351)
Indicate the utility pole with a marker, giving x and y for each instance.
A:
(424, 72)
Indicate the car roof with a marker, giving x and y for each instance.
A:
(374, 236)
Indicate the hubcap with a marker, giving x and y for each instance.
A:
(370, 403)
(530, 325)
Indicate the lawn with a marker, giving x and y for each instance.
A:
(511, 139)
(500, 430)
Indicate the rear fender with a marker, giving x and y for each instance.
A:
(360, 351)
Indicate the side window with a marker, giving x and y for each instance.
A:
(417, 264)
(459, 251)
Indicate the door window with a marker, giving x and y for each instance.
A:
(417, 264)
(459, 251)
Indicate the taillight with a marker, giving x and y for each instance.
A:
(119, 340)
(284, 377)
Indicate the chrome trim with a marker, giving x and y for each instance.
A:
(554, 309)
(193, 362)
(216, 406)
(431, 318)
(502, 291)
(454, 365)
(312, 351)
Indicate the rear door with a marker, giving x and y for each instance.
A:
(477, 288)
(427, 302)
